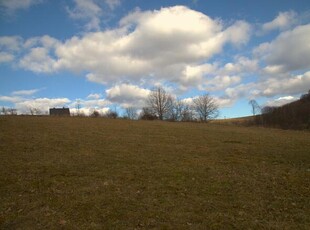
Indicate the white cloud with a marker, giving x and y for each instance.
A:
(193, 75)
(38, 60)
(25, 92)
(11, 99)
(6, 57)
(238, 33)
(127, 95)
(288, 52)
(222, 82)
(88, 111)
(12, 5)
(87, 107)
(10, 43)
(242, 65)
(283, 21)
(292, 85)
(159, 44)
(94, 96)
(45, 41)
(281, 101)
(42, 104)
(272, 86)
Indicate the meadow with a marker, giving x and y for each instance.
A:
(96, 173)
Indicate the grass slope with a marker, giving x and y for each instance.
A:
(88, 173)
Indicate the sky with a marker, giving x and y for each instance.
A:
(109, 54)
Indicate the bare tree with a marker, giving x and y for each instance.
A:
(147, 114)
(111, 114)
(255, 107)
(205, 107)
(4, 111)
(37, 111)
(95, 113)
(160, 103)
(187, 113)
(181, 111)
(131, 113)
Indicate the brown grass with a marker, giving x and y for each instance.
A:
(94, 173)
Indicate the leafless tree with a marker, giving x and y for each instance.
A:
(111, 114)
(95, 113)
(4, 111)
(160, 103)
(181, 111)
(256, 109)
(205, 107)
(147, 114)
(187, 113)
(131, 113)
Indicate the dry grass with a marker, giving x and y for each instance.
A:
(89, 173)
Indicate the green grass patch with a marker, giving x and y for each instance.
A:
(95, 173)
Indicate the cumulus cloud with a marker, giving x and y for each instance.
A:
(284, 20)
(11, 99)
(292, 85)
(290, 51)
(241, 65)
(270, 87)
(38, 60)
(160, 44)
(41, 104)
(88, 111)
(10, 43)
(221, 82)
(24, 104)
(127, 95)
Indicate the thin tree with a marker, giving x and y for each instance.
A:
(205, 107)
(160, 103)
(131, 113)
(254, 107)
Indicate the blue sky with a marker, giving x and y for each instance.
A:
(104, 54)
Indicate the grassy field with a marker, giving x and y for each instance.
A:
(95, 173)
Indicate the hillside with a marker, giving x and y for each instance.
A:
(295, 115)
(95, 173)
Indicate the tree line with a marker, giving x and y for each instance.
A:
(161, 105)
(294, 115)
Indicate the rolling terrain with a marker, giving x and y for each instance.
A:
(96, 173)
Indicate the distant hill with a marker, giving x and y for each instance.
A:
(294, 115)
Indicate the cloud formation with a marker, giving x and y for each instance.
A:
(284, 20)
(162, 47)
(289, 51)
(127, 95)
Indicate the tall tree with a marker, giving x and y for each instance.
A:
(160, 103)
(205, 107)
